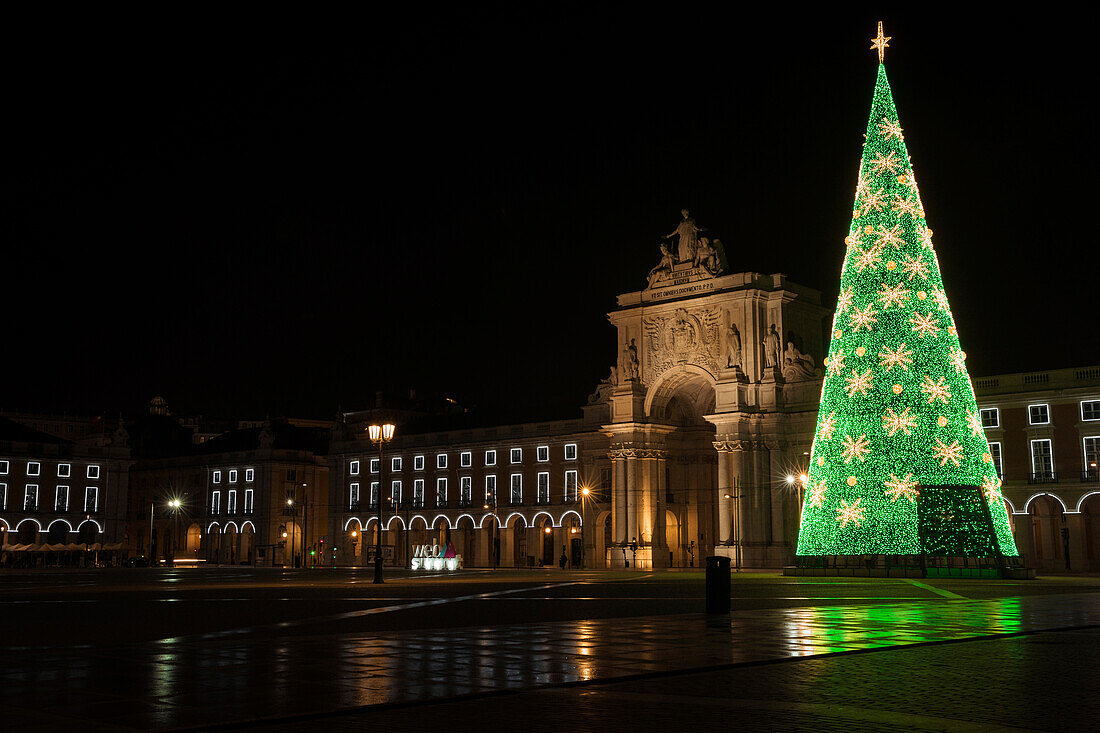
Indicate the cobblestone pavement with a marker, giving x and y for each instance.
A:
(264, 673)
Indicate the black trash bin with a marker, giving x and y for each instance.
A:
(718, 584)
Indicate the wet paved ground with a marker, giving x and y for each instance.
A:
(134, 650)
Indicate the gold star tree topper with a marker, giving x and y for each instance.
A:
(880, 42)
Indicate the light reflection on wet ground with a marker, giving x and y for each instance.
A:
(205, 680)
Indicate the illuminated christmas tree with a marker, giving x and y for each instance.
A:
(900, 464)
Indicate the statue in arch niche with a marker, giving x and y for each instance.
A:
(688, 234)
(733, 346)
(630, 361)
(797, 365)
(772, 348)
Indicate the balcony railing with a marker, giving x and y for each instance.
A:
(1091, 474)
(353, 506)
(1043, 477)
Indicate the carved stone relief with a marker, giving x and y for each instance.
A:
(683, 338)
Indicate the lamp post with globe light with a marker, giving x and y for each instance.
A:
(380, 435)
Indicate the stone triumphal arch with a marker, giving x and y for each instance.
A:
(712, 405)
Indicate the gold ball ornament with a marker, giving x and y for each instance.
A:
(826, 361)
(821, 460)
(987, 458)
(868, 229)
(891, 265)
(851, 480)
(922, 295)
(861, 351)
(837, 333)
(942, 422)
(897, 389)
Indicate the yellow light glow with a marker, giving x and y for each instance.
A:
(880, 43)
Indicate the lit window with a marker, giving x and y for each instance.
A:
(33, 468)
(353, 468)
(231, 502)
(3, 496)
(995, 452)
(215, 502)
(249, 475)
(61, 499)
(465, 459)
(353, 497)
(418, 463)
(395, 463)
(30, 498)
(1042, 459)
(517, 488)
(395, 493)
(517, 455)
(232, 475)
(374, 465)
(418, 492)
(542, 453)
(570, 485)
(64, 470)
(93, 471)
(441, 460)
(217, 478)
(490, 458)
(991, 417)
(91, 499)
(491, 489)
(1038, 414)
(543, 488)
(1089, 410)
(570, 451)
(1092, 456)
(3, 467)
(440, 492)
(465, 490)
(248, 501)
(374, 493)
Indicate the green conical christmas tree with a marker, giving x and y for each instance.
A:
(898, 418)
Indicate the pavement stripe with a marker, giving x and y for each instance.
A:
(355, 614)
(938, 591)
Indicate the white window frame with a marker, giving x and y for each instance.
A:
(249, 475)
(1045, 406)
(465, 490)
(418, 463)
(30, 492)
(571, 479)
(998, 457)
(91, 499)
(465, 459)
(996, 412)
(440, 460)
(216, 478)
(232, 475)
(249, 501)
(515, 488)
(4, 496)
(515, 455)
(418, 490)
(64, 470)
(1090, 402)
(542, 487)
(395, 463)
(441, 491)
(491, 488)
(395, 492)
(231, 502)
(353, 494)
(353, 468)
(375, 488)
(215, 503)
(491, 457)
(542, 453)
(374, 465)
(93, 471)
(570, 455)
(34, 468)
(1085, 453)
(61, 492)
(1035, 472)
(5, 466)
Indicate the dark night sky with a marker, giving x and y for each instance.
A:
(284, 216)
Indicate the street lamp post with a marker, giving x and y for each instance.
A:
(380, 435)
(174, 505)
(495, 531)
(585, 492)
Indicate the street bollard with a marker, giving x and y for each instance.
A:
(718, 584)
